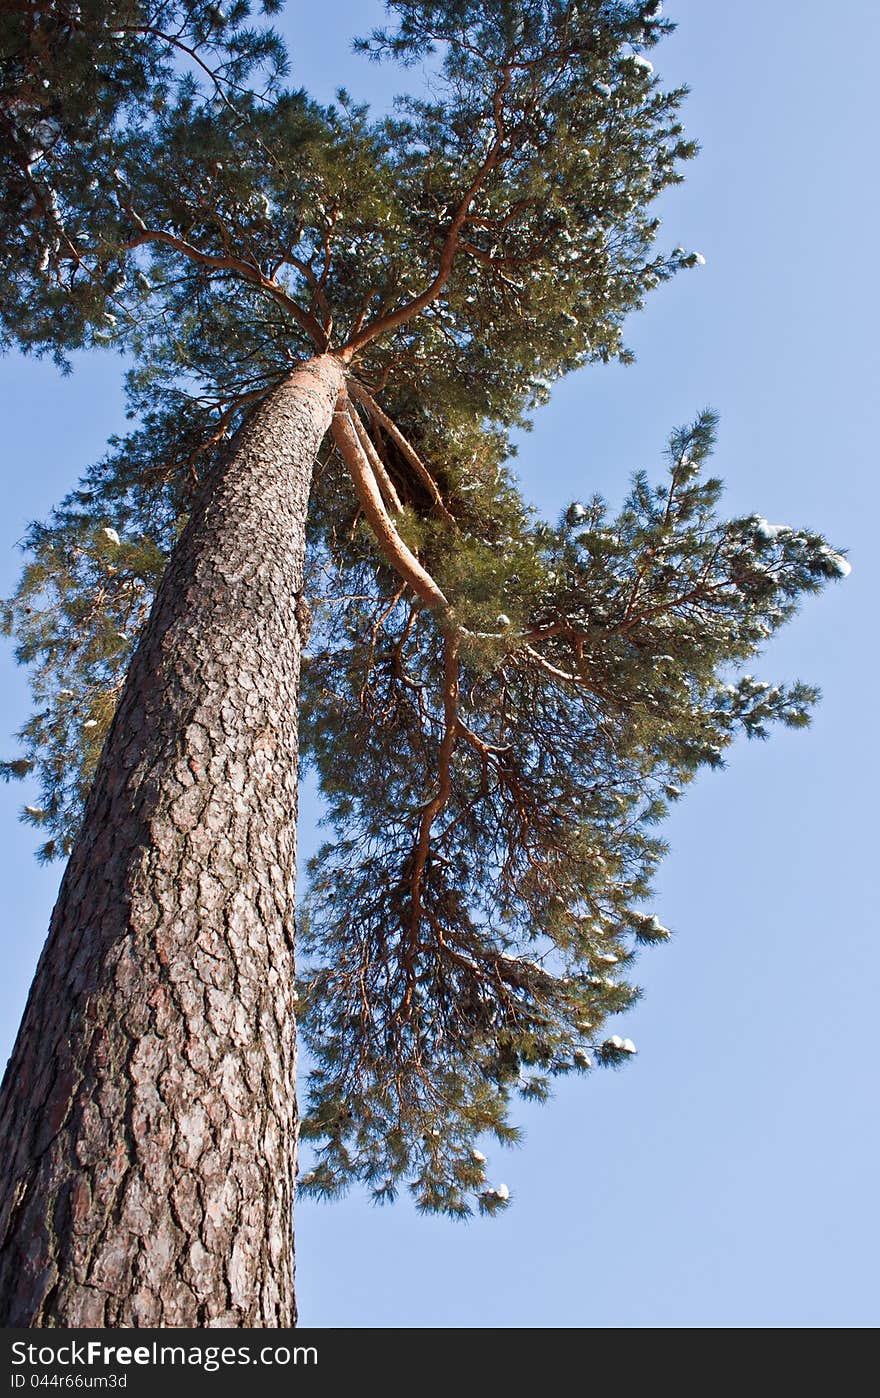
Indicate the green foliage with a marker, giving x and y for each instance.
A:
(435, 993)
(347, 217)
(77, 81)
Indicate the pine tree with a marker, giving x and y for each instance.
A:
(336, 324)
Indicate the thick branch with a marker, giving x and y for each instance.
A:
(386, 484)
(252, 275)
(395, 550)
(384, 324)
(409, 452)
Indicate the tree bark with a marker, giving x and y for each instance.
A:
(148, 1111)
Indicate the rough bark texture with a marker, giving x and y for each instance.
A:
(148, 1113)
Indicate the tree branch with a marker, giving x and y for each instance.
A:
(395, 550)
(386, 484)
(407, 451)
(386, 323)
(252, 275)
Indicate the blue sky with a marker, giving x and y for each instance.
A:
(726, 1178)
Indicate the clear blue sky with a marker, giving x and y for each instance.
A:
(728, 1176)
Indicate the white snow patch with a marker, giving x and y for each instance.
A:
(841, 565)
(768, 531)
(655, 926)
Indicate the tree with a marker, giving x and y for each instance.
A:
(498, 710)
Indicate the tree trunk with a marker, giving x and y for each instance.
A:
(148, 1111)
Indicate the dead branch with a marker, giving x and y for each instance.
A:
(392, 545)
(386, 484)
(406, 449)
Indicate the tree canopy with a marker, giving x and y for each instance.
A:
(76, 80)
(499, 709)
